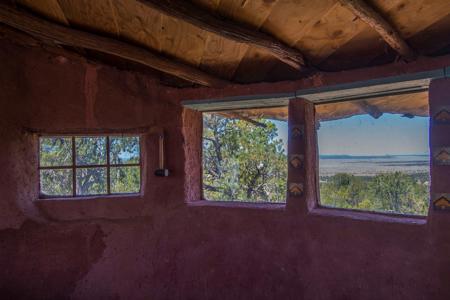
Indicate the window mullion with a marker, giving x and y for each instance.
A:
(108, 175)
(74, 184)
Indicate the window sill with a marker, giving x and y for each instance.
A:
(90, 198)
(96, 207)
(235, 204)
(368, 216)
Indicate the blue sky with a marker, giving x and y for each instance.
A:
(363, 135)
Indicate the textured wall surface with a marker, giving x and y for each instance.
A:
(164, 244)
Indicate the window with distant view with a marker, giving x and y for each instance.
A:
(244, 155)
(72, 166)
(374, 154)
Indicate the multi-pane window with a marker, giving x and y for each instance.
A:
(89, 165)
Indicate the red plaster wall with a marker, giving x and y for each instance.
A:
(157, 246)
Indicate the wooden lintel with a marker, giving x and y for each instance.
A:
(376, 21)
(70, 37)
(187, 12)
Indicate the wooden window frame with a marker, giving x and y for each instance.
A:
(74, 166)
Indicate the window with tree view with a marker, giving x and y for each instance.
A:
(374, 154)
(72, 166)
(244, 155)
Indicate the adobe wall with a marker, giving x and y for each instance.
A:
(158, 246)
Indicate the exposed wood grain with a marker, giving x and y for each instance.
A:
(182, 40)
(411, 17)
(91, 15)
(185, 11)
(221, 57)
(331, 31)
(255, 64)
(290, 20)
(380, 25)
(138, 23)
(71, 37)
(114, 17)
(48, 8)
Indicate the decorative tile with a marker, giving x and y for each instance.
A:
(441, 155)
(295, 189)
(442, 116)
(441, 202)
(297, 131)
(296, 160)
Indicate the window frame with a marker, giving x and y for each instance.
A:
(73, 167)
(320, 209)
(241, 203)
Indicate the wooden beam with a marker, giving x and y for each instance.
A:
(236, 115)
(376, 21)
(187, 12)
(371, 110)
(71, 37)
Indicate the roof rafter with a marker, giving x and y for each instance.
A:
(187, 12)
(376, 21)
(72, 37)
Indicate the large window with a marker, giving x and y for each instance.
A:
(374, 155)
(71, 166)
(244, 155)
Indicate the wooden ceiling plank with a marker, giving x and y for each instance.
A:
(255, 63)
(198, 17)
(48, 8)
(334, 29)
(222, 57)
(251, 12)
(139, 24)
(290, 20)
(91, 15)
(182, 40)
(72, 37)
(114, 17)
(370, 16)
(412, 16)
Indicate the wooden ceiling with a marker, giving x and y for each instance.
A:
(408, 105)
(329, 35)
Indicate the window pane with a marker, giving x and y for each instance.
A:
(55, 151)
(376, 161)
(124, 150)
(90, 150)
(125, 179)
(244, 155)
(91, 181)
(56, 182)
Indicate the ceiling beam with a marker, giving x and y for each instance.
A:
(187, 12)
(71, 37)
(376, 21)
(371, 110)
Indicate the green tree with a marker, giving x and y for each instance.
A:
(243, 161)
